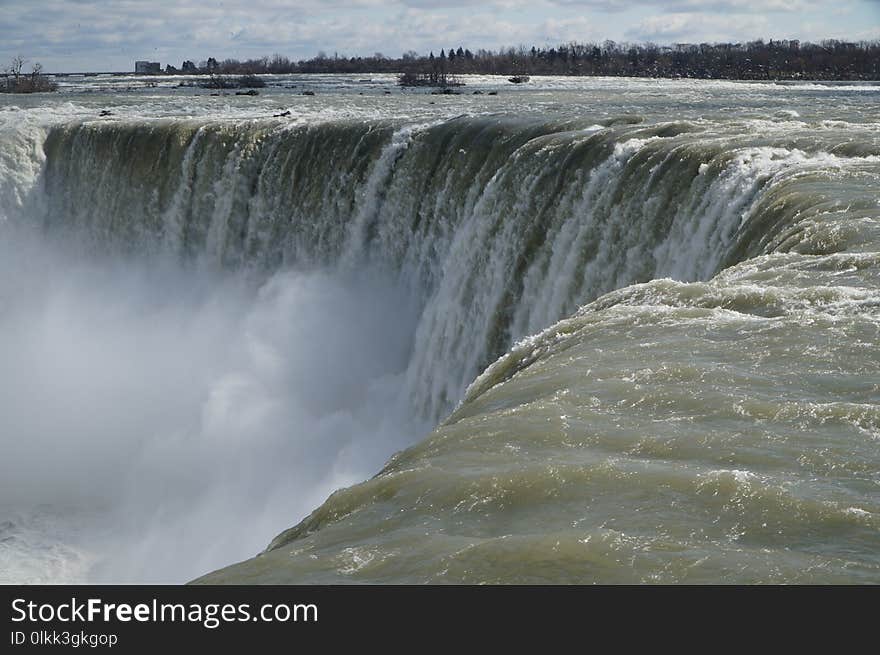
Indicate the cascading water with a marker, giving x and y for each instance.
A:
(496, 227)
(322, 294)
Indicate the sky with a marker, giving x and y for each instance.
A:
(109, 35)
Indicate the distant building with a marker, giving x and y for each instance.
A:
(147, 67)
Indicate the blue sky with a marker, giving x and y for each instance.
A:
(108, 35)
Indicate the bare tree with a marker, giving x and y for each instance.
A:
(36, 73)
(18, 82)
(16, 67)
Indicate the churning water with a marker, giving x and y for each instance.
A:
(212, 317)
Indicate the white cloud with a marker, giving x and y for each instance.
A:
(683, 6)
(110, 35)
(682, 27)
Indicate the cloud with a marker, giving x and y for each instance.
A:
(682, 6)
(692, 27)
(110, 35)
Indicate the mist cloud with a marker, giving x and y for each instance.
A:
(187, 416)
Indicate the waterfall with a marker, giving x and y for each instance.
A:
(496, 226)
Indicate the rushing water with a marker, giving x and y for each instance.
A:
(212, 317)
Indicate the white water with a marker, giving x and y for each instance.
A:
(150, 404)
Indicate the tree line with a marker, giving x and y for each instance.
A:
(755, 60)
